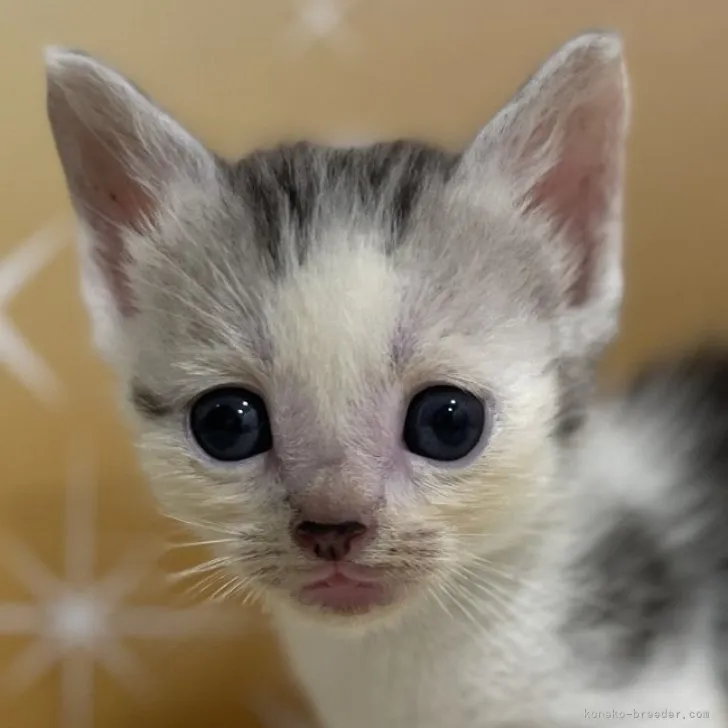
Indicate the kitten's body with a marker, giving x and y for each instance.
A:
(552, 574)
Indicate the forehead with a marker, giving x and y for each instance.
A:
(337, 315)
(325, 224)
(332, 328)
(333, 268)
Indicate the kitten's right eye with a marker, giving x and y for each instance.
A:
(231, 424)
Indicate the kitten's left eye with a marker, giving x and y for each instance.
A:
(231, 424)
(444, 423)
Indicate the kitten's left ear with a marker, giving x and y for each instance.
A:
(559, 146)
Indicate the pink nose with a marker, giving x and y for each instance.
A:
(330, 541)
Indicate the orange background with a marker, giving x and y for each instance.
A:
(241, 73)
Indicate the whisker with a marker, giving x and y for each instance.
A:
(204, 567)
(200, 544)
(504, 642)
(222, 591)
(432, 593)
(198, 589)
(516, 606)
(490, 567)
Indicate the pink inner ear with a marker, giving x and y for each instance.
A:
(578, 190)
(113, 200)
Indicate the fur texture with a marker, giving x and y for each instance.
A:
(534, 583)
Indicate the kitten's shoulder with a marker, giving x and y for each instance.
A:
(648, 569)
(647, 580)
(660, 449)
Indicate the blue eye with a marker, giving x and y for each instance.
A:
(444, 423)
(231, 424)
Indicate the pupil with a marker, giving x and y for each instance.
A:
(450, 423)
(226, 424)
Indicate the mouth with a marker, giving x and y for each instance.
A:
(345, 590)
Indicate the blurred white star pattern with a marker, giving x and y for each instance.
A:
(318, 20)
(17, 268)
(78, 621)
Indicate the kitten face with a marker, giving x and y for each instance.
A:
(337, 347)
(385, 331)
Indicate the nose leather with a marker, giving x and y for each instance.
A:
(328, 541)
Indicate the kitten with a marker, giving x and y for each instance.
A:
(365, 374)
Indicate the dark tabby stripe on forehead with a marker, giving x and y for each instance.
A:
(284, 188)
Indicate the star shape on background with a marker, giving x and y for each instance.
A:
(16, 270)
(78, 621)
(317, 20)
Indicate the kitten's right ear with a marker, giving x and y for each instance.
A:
(122, 158)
